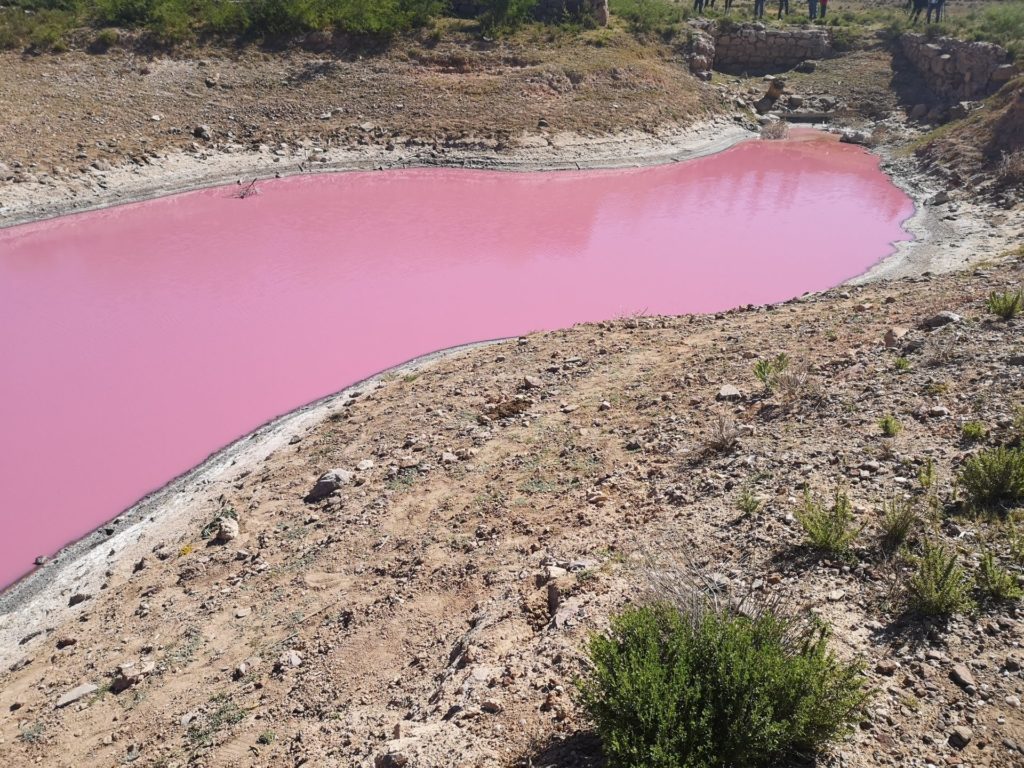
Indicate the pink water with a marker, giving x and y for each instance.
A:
(137, 340)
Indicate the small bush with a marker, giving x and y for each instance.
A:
(768, 371)
(776, 130)
(974, 431)
(717, 690)
(902, 364)
(1016, 545)
(994, 479)
(899, 521)
(890, 425)
(994, 582)
(107, 38)
(829, 529)
(723, 436)
(1005, 305)
(927, 475)
(748, 502)
(940, 586)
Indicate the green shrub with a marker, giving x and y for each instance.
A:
(899, 521)
(940, 586)
(649, 15)
(974, 431)
(1005, 305)
(829, 529)
(994, 479)
(768, 371)
(106, 38)
(716, 690)
(1016, 544)
(902, 364)
(748, 502)
(890, 425)
(994, 582)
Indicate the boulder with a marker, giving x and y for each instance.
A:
(328, 483)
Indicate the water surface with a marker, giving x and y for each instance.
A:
(137, 340)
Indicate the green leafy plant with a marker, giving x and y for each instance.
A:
(715, 690)
(267, 737)
(890, 425)
(829, 528)
(1005, 305)
(927, 475)
(993, 480)
(994, 582)
(939, 587)
(748, 502)
(974, 431)
(768, 371)
(899, 520)
(901, 364)
(1016, 539)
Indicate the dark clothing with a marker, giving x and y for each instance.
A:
(698, 6)
(824, 7)
(758, 9)
(783, 8)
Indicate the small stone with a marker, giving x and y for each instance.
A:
(886, 667)
(728, 393)
(227, 530)
(941, 319)
(836, 595)
(75, 694)
(241, 613)
(365, 465)
(78, 597)
(939, 198)
(960, 736)
(962, 676)
(202, 132)
(532, 382)
(448, 458)
(894, 335)
(328, 483)
(289, 659)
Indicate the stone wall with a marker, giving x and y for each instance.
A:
(756, 48)
(956, 70)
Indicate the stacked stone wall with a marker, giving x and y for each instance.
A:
(956, 70)
(756, 48)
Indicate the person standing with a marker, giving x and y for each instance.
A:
(783, 8)
(698, 6)
(758, 9)
(933, 5)
(824, 8)
(919, 5)
(812, 9)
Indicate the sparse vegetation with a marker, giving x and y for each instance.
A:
(768, 371)
(994, 582)
(829, 529)
(714, 690)
(993, 480)
(724, 434)
(901, 364)
(939, 587)
(646, 16)
(748, 502)
(775, 130)
(1005, 305)
(890, 425)
(898, 522)
(974, 431)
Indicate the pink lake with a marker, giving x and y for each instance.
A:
(139, 339)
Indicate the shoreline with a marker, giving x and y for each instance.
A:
(39, 599)
(179, 172)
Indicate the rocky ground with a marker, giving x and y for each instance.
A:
(489, 510)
